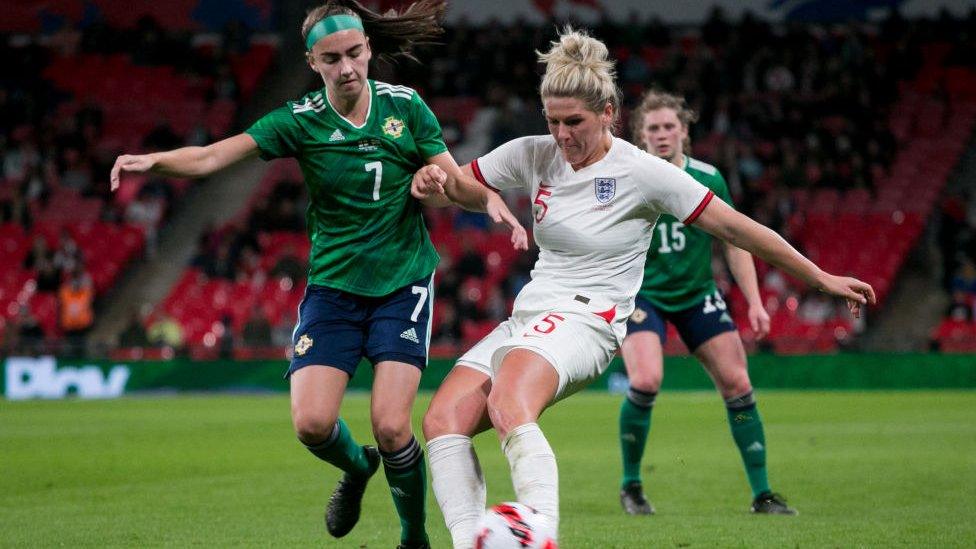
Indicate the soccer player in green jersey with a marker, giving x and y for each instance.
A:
(370, 292)
(678, 287)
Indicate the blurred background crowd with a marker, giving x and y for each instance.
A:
(851, 139)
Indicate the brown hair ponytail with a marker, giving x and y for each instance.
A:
(392, 34)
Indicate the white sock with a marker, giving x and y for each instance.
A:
(458, 486)
(534, 472)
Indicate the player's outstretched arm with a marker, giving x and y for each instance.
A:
(744, 272)
(721, 221)
(187, 161)
(444, 176)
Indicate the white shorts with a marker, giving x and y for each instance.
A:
(576, 342)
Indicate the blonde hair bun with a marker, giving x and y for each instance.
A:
(579, 66)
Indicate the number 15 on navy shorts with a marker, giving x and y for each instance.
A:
(337, 328)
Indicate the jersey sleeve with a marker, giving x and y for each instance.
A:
(425, 128)
(669, 189)
(508, 166)
(277, 134)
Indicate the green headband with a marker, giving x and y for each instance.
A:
(330, 25)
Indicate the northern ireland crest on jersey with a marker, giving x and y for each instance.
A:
(393, 127)
(605, 188)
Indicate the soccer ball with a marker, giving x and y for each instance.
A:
(512, 525)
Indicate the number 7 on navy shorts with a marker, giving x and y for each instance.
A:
(338, 329)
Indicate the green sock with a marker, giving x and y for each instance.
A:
(747, 430)
(635, 424)
(342, 451)
(406, 474)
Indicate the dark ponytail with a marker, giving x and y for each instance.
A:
(393, 34)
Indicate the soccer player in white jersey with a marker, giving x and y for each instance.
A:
(596, 199)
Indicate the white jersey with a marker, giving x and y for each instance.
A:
(593, 226)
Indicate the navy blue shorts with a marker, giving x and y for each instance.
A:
(338, 329)
(695, 325)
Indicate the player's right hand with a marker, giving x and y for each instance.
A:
(759, 321)
(428, 181)
(858, 294)
(499, 213)
(131, 163)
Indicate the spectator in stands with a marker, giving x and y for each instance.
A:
(152, 46)
(90, 114)
(448, 280)
(249, 267)
(964, 281)
(960, 307)
(16, 208)
(68, 256)
(240, 236)
(165, 331)
(225, 337)
(39, 252)
(470, 263)
(257, 330)
(221, 264)
(49, 277)
(289, 264)
(962, 291)
(135, 334)
(284, 215)
(161, 137)
(75, 171)
(76, 300)
(158, 187)
(224, 87)
(146, 211)
(36, 184)
(447, 331)
(23, 334)
(20, 159)
(471, 299)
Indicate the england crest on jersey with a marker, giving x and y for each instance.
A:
(605, 188)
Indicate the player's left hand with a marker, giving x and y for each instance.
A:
(498, 211)
(857, 293)
(759, 320)
(428, 181)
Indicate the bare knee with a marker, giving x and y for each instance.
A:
(312, 427)
(646, 380)
(732, 380)
(507, 413)
(458, 408)
(392, 431)
(439, 421)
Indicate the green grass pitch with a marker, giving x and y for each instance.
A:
(865, 469)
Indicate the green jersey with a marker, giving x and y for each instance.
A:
(678, 271)
(368, 236)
